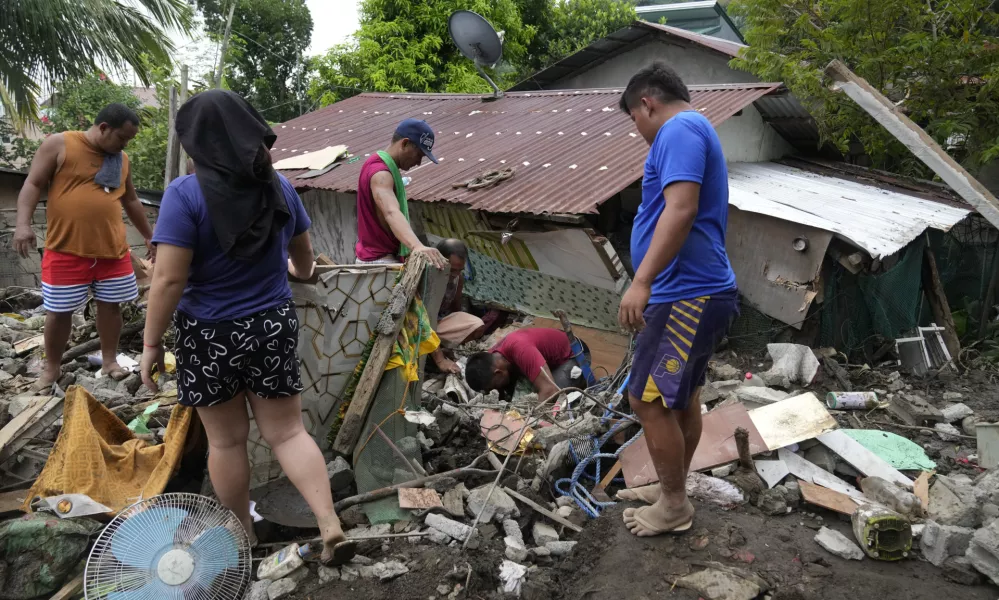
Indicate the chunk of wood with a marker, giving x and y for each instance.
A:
(73, 587)
(11, 502)
(937, 298)
(599, 491)
(862, 459)
(541, 509)
(29, 424)
(387, 330)
(827, 498)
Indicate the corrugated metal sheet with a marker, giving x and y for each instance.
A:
(572, 149)
(880, 221)
(713, 43)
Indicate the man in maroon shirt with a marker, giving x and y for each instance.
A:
(383, 227)
(542, 355)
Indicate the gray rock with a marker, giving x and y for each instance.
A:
(560, 548)
(586, 425)
(348, 573)
(940, 542)
(6, 350)
(987, 487)
(516, 552)
(960, 570)
(86, 382)
(983, 551)
(258, 591)
(16, 367)
(4, 376)
(723, 371)
(18, 404)
(340, 474)
(500, 505)
(281, 588)
(543, 533)
(952, 502)
(969, 425)
(384, 571)
(541, 551)
(454, 500)
(360, 560)
(956, 412)
(512, 529)
(759, 396)
(299, 575)
(564, 501)
(952, 396)
(773, 501)
(451, 528)
(111, 398)
(130, 385)
(822, 457)
(838, 544)
(327, 575)
(724, 583)
(441, 539)
(946, 431)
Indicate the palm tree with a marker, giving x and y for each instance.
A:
(52, 40)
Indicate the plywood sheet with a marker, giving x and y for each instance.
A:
(792, 420)
(827, 498)
(717, 446)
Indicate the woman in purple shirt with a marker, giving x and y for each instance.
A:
(227, 238)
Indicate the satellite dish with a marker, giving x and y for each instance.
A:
(478, 41)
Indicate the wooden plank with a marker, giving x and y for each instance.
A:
(28, 344)
(792, 420)
(803, 469)
(607, 349)
(387, 331)
(12, 501)
(29, 424)
(937, 298)
(599, 491)
(73, 587)
(419, 498)
(924, 147)
(826, 498)
(541, 509)
(862, 459)
(921, 488)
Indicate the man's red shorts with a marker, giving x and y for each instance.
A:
(67, 280)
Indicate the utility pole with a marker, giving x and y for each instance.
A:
(225, 44)
(172, 142)
(182, 156)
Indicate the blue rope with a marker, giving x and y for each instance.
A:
(571, 486)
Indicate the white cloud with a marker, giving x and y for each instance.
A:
(333, 22)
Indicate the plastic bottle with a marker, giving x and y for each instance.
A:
(406, 180)
(753, 381)
(885, 492)
(283, 562)
(852, 400)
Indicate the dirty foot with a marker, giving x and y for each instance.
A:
(653, 520)
(338, 551)
(47, 379)
(114, 371)
(648, 494)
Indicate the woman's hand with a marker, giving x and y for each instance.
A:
(152, 356)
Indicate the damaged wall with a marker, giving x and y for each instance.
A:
(334, 223)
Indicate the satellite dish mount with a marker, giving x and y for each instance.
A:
(478, 41)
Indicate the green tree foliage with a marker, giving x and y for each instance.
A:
(15, 151)
(265, 60)
(938, 61)
(75, 103)
(565, 26)
(58, 40)
(404, 45)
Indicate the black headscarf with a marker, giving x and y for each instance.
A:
(226, 137)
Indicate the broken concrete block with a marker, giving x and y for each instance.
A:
(960, 570)
(18, 404)
(258, 591)
(348, 573)
(759, 396)
(773, 502)
(914, 410)
(940, 542)
(723, 371)
(564, 511)
(584, 426)
(947, 432)
(87, 383)
(454, 501)
(111, 398)
(987, 487)
(130, 384)
(952, 396)
(543, 533)
(327, 575)
(560, 548)
(822, 457)
(983, 551)
(449, 527)
(952, 502)
(281, 588)
(499, 506)
(441, 539)
(384, 571)
(515, 549)
(838, 544)
(956, 412)
(512, 529)
(340, 474)
(724, 582)
(556, 457)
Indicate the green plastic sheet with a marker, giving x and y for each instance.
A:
(897, 451)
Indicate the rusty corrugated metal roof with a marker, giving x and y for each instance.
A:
(572, 149)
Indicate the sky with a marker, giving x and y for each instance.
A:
(333, 22)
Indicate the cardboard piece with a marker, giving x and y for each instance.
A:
(419, 498)
(792, 420)
(827, 498)
(862, 459)
(717, 446)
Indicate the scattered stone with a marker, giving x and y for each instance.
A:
(959, 570)
(299, 575)
(969, 425)
(442, 485)
(838, 544)
(584, 426)
(348, 573)
(512, 529)
(723, 582)
(541, 551)
(130, 385)
(952, 502)
(792, 493)
(4, 376)
(384, 571)
(258, 591)
(15, 368)
(956, 412)
(424, 441)
(724, 470)
(822, 457)
(487, 530)
(773, 502)
(723, 371)
(500, 505)
(340, 474)
(946, 431)
(940, 542)
(281, 588)
(451, 528)
(896, 385)
(110, 398)
(564, 501)
(353, 517)
(952, 396)
(760, 396)
(515, 549)
(454, 501)
(565, 511)
(19, 404)
(560, 548)
(6, 350)
(543, 533)
(441, 539)
(983, 551)
(360, 560)
(327, 575)
(87, 383)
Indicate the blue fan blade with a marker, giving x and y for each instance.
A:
(144, 535)
(216, 550)
(155, 589)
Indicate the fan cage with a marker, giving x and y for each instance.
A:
(107, 578)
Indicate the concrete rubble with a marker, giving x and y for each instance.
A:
(940, 542)
(837, 543)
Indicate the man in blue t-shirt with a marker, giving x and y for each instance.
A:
(683, 298)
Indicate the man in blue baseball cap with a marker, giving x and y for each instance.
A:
(384, 234)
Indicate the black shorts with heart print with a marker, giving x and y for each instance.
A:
(219, 359)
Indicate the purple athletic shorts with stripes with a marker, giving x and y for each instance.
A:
(672, 352)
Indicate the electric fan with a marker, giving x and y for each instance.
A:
(170, 547)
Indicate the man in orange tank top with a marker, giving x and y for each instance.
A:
(89, 182)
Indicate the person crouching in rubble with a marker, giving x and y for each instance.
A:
(227, 237)
(541, 354)
(453, 324)
(683, 298)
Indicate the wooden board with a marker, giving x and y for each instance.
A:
(607, 349)
(792, 420)
(29, 344)
(12, 501)
(419, 498)
(717, 445)
(862, 459)
(921, 488)
(827, 498)
(803, 469)
(29, 424)
(73, 587)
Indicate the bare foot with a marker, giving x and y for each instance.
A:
(648, 494)
(114, 371)
(653, 520)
